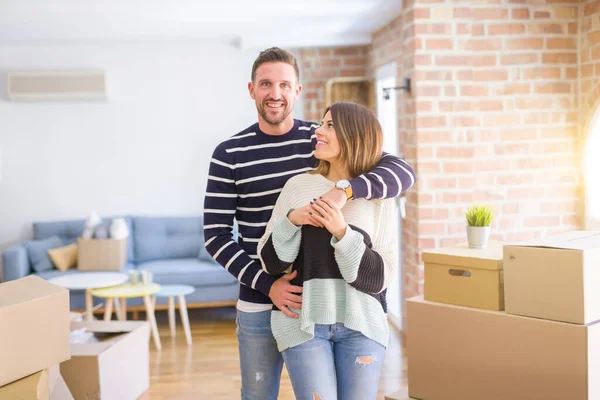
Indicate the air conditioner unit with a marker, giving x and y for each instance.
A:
(57, 85)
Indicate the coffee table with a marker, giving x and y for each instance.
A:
(88, 281)
(128, 291)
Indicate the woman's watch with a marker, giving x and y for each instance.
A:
(344, 184)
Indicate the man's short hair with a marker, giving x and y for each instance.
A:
(275, 54)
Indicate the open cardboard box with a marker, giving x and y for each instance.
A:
(34, 327)
(109, 360)
(557, 277)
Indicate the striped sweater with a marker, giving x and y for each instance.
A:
(344, 281)
(246, 175)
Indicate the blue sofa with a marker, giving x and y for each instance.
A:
(170, 247)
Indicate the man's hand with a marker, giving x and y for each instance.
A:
(337, 196)
(282, 294)
(301, 216)
(330, 215)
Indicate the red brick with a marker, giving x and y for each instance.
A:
(442, 183)
(561, 43)
(431, 122)
(348, 51)
(513, 180)
(525, 44)
(542, 73)
(463, 13)
(466, 121)
(421, 13)
(552, 88)
(354, 61)
(490, 75)
(506, 29)
(439, 44)
(547, 28)
(520, 13)
(474, 91)
(510, 208)
(534, 163)
(435, 137)
(501, 119)
(516, 88)
(431, 228)
(489, 13)
(422, 59)
(352, 72)
(541, 14)
(484, 44)
(565, 12)
(461, 197)
(490, 165)
(484, 61)
(432, 213)
(445, 106)
(437, 29)
(325, 52)
(511, 148)
(458, 167)
(593, 37)
(328, 62)
(450, 91)
(455, 152)
(488, 105)
(514, 59)
(433, 75)
(534, 103)
(423, 90)
(526, 193)
(424, 106)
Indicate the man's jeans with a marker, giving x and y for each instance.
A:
(260, 361)
(338, 363)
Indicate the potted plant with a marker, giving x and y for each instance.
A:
(478, 218)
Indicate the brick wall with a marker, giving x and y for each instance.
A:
(493, 117)
(496, 98)
(590, 61)
(321, 64)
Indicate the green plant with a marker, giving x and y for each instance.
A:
(478, 215)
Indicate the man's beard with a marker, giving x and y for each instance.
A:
(262, 110)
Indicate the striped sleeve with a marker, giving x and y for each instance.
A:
(369, 265)
(220, 204)
(390, 178)
(280, 245)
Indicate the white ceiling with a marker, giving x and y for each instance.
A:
(245, 23)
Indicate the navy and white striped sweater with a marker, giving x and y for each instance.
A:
(247, 172)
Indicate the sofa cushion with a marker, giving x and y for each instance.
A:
(70, 230)
(55, 272)
(64, 257)
(38, 252)
(189, 271)
(161, 238)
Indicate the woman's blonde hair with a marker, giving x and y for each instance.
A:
(359, 134)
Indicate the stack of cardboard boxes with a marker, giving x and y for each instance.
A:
(44, 355)
(512, 321)
(34, 340)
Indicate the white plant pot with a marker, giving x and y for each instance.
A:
(478, 236)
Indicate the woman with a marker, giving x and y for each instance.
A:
(335, 349)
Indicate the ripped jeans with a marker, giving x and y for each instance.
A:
(338, 363)
(260, 361)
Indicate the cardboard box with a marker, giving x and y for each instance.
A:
(464, 276)
(37, 386)
(113, 364)
(401, 394)
(34, 327)
(101, 254)
(61, 391)
(457, 352)
(557, 277)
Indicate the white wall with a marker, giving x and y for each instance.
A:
(144, 151)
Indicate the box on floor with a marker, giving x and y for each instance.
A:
(464, 276)
(111, 362)
(34, 333)
(47, 384)
(457, 352)
(555, 278)
(101, 254)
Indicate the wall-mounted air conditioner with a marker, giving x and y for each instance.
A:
(57, 85)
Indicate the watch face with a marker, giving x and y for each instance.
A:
(342, 184)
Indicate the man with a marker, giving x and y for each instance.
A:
(247, 172)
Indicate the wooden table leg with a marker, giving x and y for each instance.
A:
(172, 315)
(152, 320)
(124, 308)
(108, 310)
(89, 304)
(184, 319)
(117, 305)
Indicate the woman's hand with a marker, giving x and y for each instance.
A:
(327, 213)
(301, 216)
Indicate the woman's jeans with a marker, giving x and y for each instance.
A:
(338, 363)
(260, 361)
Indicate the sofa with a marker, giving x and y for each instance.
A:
(172, 248)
